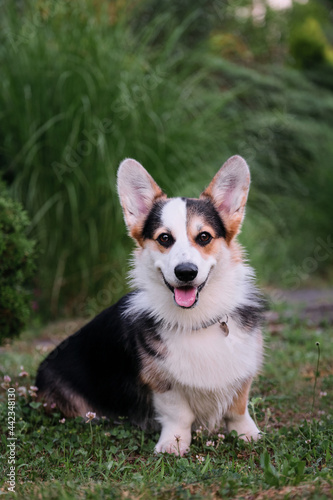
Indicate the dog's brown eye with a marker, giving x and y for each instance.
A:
(165, 239)
(204, 238)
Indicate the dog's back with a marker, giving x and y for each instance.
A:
(98, 369)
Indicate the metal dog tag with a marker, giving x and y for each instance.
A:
(224, 327)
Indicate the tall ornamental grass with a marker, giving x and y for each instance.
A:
(79, 92)
(85, 84)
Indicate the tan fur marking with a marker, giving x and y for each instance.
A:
(66, 401)
(232, 222)
(151, 376)
(196, 225)
(154, 245)
(206, 194)
(212, 248)
(136, 234)
(239, 404)
(136, 231)
(150, 372)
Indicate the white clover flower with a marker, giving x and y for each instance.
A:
(22, 391)
(90, 415)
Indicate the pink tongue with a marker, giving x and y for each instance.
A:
(185, 297)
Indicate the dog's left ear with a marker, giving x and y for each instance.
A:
(137, 192)
(228, 191)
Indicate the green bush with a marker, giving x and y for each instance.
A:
(16, 267)
(308, 44)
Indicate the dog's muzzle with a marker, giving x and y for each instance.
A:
(186, 296)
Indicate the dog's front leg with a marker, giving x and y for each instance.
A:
(238, 418)
(176, 418)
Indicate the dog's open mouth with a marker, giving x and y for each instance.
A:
(186, 296)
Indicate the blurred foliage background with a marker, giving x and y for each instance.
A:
(180, 86)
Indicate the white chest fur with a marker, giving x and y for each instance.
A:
(208, 360)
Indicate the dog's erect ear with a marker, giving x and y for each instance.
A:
(228, 191)
(137, 192)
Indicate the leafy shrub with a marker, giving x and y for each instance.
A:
(16, 266)
(308, 44)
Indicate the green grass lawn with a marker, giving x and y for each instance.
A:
(73, 459)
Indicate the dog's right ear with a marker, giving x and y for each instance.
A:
(137, 191)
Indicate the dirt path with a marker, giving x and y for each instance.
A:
(312, 304)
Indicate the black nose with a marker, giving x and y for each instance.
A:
(186, 271)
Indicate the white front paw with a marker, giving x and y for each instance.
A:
(175, 446)
(250, 435)
(245, 428)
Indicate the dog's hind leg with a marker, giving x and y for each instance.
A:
(238, 418)
(176, 418)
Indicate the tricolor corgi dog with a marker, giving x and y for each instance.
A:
(181, 350)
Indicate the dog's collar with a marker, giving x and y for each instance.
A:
(222, 321)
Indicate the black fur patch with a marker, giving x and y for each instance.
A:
(147, 337)
(206, 209)
(101, 363)
(153, 220)
(250, 316)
